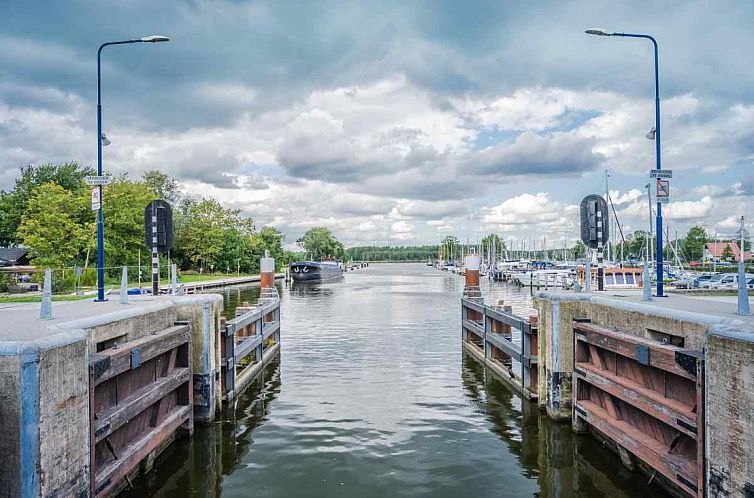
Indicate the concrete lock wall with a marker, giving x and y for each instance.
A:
(730, 414)
(44, 387)
(729, 373)
(45, 428)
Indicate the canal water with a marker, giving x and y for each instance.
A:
(373, 397)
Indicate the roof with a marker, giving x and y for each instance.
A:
(716, 250)
(12, 254)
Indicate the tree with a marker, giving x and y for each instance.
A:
(727, 253)
(450, 247)
(162, 186)
(123, 211)
(693, 245)
(204, 232)
(320, 243)
(50, 228)
(579, 250)
(492, 242)
(70, 176)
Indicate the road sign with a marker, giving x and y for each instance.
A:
(96, 199)
(99, 180)
(661, 173)
(663, 191)
(589, 207)
(160, 215)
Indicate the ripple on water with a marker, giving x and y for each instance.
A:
(373, 397)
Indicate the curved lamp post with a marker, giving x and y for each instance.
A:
(653, 134)
(100, 138)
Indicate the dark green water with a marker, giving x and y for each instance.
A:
(373, 397)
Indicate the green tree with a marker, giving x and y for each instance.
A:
(204, 232)
(50, 228)
(693, 245)
(450, 247)
(727, 253)
(123, 211)
(13, 204)
(579, 250)
(320, 243)
(163, 186)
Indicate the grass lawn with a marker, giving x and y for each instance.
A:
(37, 299)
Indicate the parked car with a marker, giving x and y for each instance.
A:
(701, 279)
(684, 283)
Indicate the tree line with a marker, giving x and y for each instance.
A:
(393, 253)
(48, 211)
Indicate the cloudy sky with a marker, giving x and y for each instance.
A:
(394, 121)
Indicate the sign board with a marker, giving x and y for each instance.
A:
(96, 199)
(160, 214)
(590, 206)
(663, 191)
(661, 173)
(99, 180)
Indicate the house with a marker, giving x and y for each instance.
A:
(14, 256)
(713, 251)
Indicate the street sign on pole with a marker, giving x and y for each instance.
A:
(663, 191)
(99, 180)
(661, 173)
(96, 199)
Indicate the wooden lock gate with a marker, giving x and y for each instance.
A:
(140, 393)
(248, 342)
(490, 329)
(645, 395)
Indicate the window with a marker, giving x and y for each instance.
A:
(630, 279)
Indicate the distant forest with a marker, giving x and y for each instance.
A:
(401, 253)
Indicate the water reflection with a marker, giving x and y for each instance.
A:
(372, 397)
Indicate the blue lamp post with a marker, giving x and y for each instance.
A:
(603, 32)
(100, 222)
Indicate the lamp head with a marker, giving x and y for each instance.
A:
(599, 32)
(154, 39)
(105, 140)
(651, 133)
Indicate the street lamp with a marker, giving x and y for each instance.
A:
(655, 136)
(102, 140)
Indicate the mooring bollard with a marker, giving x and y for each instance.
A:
(267, 267)
(173, 278)
(124, 286)
(45, 313)
(471, 264)
(647, 283)
(588, 275)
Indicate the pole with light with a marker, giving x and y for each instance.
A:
(652, 134)
(102, 140)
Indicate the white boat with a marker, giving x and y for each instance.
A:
(553, 277)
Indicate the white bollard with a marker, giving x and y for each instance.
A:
(124, 286)
(173, 278)
(45, 313)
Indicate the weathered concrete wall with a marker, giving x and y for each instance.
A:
(64, 420)
(730, 416)
(556, 354)
(203, 312)
(45, 427)
(44, 388)
(10, 426)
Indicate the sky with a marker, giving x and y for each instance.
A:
(395, 122)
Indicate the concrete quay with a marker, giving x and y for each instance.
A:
(91, 396)
(668, 384)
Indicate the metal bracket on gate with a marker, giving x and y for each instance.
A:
(135, 357)
(642, 354)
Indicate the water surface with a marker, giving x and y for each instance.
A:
(373, 397)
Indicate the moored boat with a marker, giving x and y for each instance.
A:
(315, 271)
